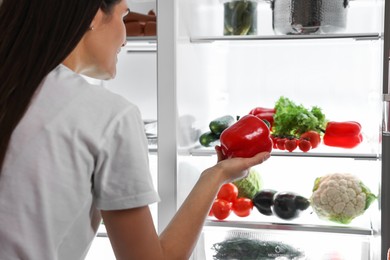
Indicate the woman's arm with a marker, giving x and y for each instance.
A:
(133, 235)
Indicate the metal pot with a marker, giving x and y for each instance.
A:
(308, 16)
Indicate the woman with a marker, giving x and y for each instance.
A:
(71, 152)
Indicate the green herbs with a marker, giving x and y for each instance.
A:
(252, 249)
(291, 119)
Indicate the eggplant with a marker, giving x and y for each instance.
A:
(302, 203)
(284, 205)
(288, 205)
(263, 200)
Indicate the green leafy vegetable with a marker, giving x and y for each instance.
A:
(291, 119)
(250, 185)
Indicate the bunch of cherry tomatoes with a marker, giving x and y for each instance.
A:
(227, 201)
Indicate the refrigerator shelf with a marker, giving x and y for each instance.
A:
(291, 227)
(352, 36)
(141, 45)
(150, 39)
(358, 156)
(152, 149)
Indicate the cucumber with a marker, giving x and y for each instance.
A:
(208, 138)
(221, 123)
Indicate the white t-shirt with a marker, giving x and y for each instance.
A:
(78, 149)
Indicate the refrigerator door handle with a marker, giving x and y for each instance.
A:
(386, 115)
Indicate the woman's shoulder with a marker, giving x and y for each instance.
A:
(71, 85)
(67, 95)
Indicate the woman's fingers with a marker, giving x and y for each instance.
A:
(237, 168)
(220, 155)
(260, 158)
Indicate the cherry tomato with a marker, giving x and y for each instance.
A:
(304, 145)
(313, 137)
(280, 143)
(274, 140)
(291, 144)
(242, 207)
(228, 192)
(221, 208)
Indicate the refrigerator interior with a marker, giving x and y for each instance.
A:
(232, 78)
(342, 76)
(288, 174)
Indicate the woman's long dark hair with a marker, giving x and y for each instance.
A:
(35, 37)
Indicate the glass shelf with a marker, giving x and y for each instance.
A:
(143, 44)
(291, 227)
(354, 36)
(152, 39)
(358, 156)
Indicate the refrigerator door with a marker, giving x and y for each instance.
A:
(385, 193)
(385, 197)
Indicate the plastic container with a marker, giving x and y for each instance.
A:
(240, 17)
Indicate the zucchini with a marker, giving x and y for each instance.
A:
(208, 138)
(221, 123)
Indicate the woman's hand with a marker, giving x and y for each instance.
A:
(231, 169)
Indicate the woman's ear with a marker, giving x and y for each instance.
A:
(97, 20)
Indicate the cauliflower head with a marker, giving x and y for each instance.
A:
(340, 197)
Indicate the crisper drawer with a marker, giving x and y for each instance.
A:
(222, 243)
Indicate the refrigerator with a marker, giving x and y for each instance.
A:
(203, 73)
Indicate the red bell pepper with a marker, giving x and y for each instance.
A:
(247, 137)
(343, 134)
(264, 113)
